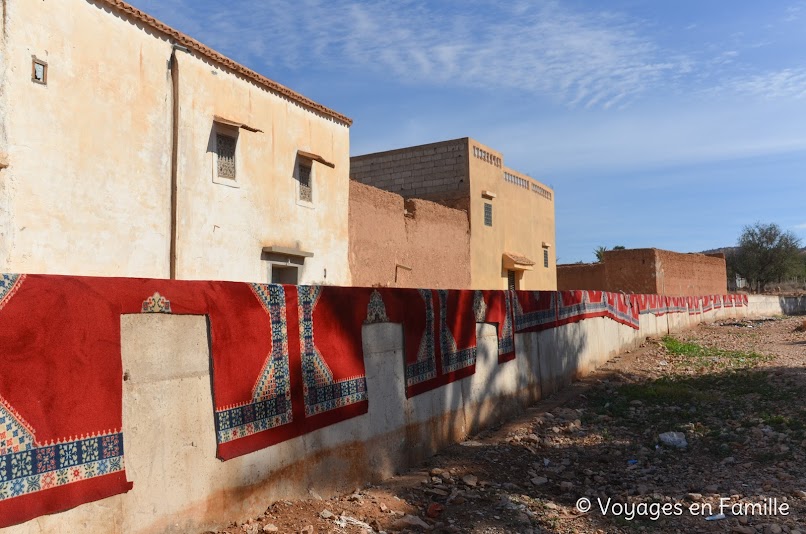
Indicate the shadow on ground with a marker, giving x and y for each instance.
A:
(746, 431)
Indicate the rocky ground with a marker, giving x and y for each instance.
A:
(735, 391)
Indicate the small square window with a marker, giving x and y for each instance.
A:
(545, 257)
(305, 182)
(39, 71)
(284, 274)
(488, 214)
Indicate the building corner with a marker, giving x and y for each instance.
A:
(6, 181)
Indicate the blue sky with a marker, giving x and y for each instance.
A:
(659, 124)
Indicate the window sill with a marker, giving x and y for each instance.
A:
(305, 204)
(229, 182)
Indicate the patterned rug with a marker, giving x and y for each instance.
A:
(286, 360)
(308, 374)
(495, 307)
(60, 397)
(659, 305)
(540, 310)
(439, 333)
(650, 304)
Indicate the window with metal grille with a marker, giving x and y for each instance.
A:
(545, 257)
(488, 214)
(305, 184)
(225, 155)
(512, 281)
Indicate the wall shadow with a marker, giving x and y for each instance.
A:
(545, 363)
(746, 432)
(793, 305)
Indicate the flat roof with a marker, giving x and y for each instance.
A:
(467, 140)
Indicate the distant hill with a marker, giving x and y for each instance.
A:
(723, 250)
(727, 250)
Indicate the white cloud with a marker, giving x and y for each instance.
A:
(584, 59)
(784, 83)
(794, 12)
(801, 226)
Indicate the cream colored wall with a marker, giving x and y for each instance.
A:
(486, 243)
(529, 224)
(87, 190)
(88, 187)
(222, 228)
(522, 221)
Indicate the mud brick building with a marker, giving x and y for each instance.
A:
(649, 271)
(510, 215)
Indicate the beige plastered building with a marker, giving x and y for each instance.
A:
(130, 149)
(511, 215)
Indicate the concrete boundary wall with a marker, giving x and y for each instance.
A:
(179, 485)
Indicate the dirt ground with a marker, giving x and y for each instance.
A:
(735, 391)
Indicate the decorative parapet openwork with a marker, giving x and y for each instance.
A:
(543, 192)
(527, 184)
(489, 157)
(517, 180)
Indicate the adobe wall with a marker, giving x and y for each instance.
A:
(180, 486)
(581, 276)
(406, 243)
(433, 171)
(631, 271)
(690, 274)
(377, 235)
(649, 271)
(438, 246)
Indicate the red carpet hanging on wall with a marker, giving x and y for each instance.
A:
(659, 305)
(439, 331)
(540, 310)
(286, 360)
(495, 307)
(60, 397)
(309, 375)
